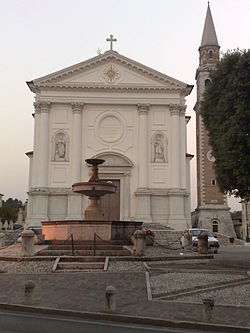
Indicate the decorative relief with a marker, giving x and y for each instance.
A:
(111, 74)
(158, 148)
(60, 143)
(143, 108)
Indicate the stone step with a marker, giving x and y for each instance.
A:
(59, 253)
(80, 265)
(85, 247)
(85, 259)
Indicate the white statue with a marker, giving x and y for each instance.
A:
(158, 149)
(60, 148)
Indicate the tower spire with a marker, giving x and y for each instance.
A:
(209, 34)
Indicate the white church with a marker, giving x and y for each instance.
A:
(128, 114)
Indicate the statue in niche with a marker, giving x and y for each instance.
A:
(158, 149)
(60, 147)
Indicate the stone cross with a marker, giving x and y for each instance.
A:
(111, 40)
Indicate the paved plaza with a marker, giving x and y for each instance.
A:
(150, 288)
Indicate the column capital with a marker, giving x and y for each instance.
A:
(77, 107)
(143, 108)
(37, 107)
(44, 107)
(177, 109)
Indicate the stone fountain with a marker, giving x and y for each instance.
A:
(94, 189)
(93, 222)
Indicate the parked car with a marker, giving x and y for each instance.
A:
(36, 228)
(213, 244)
(17, 227)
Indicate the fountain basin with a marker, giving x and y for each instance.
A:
(94, 189)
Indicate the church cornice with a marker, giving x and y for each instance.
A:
(92, 87)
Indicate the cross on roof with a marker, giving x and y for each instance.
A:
(111, 40)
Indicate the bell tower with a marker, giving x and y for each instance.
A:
(212, 212)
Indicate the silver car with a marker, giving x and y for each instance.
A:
(213, 244)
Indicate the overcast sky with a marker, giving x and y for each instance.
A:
(39, 37)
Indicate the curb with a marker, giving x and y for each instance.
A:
(123, 258)
(127, 319)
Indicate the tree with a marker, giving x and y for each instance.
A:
(9, 209)
(225, 110)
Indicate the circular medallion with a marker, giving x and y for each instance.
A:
(110, 128)
(210, 156)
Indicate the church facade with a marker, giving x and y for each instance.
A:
(130, 115)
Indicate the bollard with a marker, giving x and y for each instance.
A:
(110, 299)
(208, 306)
(187, 241)
(139, 243)
(2, 239)
(203, 242)
(28, 249)
(28, 292)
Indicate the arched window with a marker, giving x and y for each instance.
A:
(207, 82)
(213, 181)
(215, 226)
(211, 54)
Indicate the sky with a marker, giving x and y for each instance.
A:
(39, 37)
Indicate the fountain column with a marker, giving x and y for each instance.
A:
(142, 193)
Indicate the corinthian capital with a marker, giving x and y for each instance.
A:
(143, 108)
(77, 107)
(37, 107)
(177, 109)
(45, 107)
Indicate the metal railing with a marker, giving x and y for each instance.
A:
(95, 237)
(72, 243)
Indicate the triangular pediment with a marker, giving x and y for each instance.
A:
(109, 70)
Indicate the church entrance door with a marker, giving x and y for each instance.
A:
(110, 203)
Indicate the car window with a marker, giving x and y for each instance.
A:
(195, 232)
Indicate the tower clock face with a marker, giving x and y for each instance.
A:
(210, 156)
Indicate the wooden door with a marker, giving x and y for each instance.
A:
(110, 203)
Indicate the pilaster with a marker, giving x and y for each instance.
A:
(143, 161)
(43, 145)
(142, 193)
(175, 110)
(77, 109)
(37, 116)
